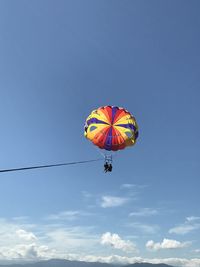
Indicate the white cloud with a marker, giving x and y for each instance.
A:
(17, 242)
(13, 233)
(116, 242)
(144, 212)
(26, 252)
(191, 224)
(55, 241)
(117, 259)
(110, 201)
(52, 242)
(27, 236)
(166, 244)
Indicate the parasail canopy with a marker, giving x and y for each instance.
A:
(111, 128)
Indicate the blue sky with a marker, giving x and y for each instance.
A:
(62, 59)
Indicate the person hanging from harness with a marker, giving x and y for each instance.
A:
(110, 167)
(108, 164)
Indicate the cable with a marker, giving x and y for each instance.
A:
(48, 166)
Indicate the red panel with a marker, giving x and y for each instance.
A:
(119, 114)
(100, 138)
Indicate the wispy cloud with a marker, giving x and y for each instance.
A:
(193, 219)
(191, 224)
(145, 228)
(144, 212)
(116, 242)
(20, 218)
(166, 244)
(132, 190)
(86, 194)
(71, 238)
(69, 215)
(183, 229)
(112, 201)
(127, 186)
(132, 186)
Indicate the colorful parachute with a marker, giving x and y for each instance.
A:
(111, 128)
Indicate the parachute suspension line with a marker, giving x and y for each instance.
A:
(101, 153)
(107, 155)
(108, 159)
(48, 166)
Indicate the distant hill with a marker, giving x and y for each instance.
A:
(66, 263)
(148, 265)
